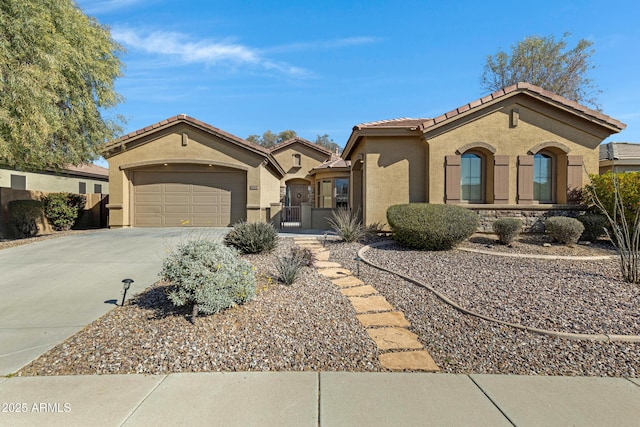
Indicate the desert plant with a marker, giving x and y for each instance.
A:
(507, 229)
(304, 255)
(431, 227)
(621, 207)
(24, 216)
(288, 268)
(613, 192)
(346, 224)
(252, 237)
(208, 275)
(594, 226)
(63, 209)
(563, 229)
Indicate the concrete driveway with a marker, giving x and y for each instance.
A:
(53, 288)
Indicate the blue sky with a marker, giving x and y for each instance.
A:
(324, 66)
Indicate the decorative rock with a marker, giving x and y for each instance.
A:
(368, 304)
(394, 318)
(394, 338)
(359, 291)
(409, 360)
(546, 245)
(347, 282)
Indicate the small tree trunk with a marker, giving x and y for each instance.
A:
(194, 314)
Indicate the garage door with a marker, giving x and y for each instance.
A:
(198, 199)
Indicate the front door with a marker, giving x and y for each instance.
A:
(298, 194)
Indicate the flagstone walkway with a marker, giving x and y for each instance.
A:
(399, 348)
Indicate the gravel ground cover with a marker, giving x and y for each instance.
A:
(304, 327)
(515, 289)
(533, 244)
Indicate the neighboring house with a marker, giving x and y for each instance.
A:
(520, 151)
(74, 179)
(619, 157)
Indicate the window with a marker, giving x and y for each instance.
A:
(18, 182)
(342, 192)
(297, 162)
(324, 194)
(471, 181)
(82, 188)
(97, 188)
(542, 178)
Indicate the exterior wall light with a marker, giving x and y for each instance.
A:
(126, 284)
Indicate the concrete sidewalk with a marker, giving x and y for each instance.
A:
(325, 399)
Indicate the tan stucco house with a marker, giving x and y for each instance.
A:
(620, 157)
(520, 151)
(81, 179)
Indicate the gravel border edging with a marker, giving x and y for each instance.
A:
(558, 257)
(446, 299)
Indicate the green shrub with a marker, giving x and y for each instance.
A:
(507, 229)
(63, 209)
(208, 275)
(346, 225)
(252, 237)
(563, 229)
(24, 216)
(594, 226)
(431, 227)
(609, 186)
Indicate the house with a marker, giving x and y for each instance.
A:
(182, 171)
(521, 151)
(619, 157)
(92, 180)
(81, 179)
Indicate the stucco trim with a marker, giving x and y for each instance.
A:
(182, 161)
(549, 144)
(473, 145)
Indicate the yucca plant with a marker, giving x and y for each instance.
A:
(346, 224)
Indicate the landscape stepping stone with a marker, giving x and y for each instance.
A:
(394, 338)
(335, 272)
(358, 291)
(392, 318)
(409, 360)
(368, 304)
(321, 255)
(347, 282)
(326, 264)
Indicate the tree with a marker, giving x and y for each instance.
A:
(326, 142)
(57, 72)
(545, 62)
(269, 139)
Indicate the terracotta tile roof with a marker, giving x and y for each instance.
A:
(187, 119)
(530, 89)
(620, 151)
(302, 141)
(334, 162)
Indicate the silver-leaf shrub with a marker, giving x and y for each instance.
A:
(208, 275)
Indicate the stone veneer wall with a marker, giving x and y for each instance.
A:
(532, 216)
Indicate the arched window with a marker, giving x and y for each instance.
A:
(543, 178)
(471, 180)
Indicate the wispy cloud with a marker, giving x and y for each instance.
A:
(103, 6)
(323, 44)
(209, 52)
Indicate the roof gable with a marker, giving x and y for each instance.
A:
(302, 141)
(118, 145)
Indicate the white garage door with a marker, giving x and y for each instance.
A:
(198, 199)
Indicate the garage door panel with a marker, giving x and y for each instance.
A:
(174, 199)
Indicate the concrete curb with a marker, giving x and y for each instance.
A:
(446, 299)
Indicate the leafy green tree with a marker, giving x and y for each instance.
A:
(57, 72)
(326, 142)
(545, 62)
(269, 139)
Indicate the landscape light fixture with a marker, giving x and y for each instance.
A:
(357, 260)
(324, 241)
(126, 284)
